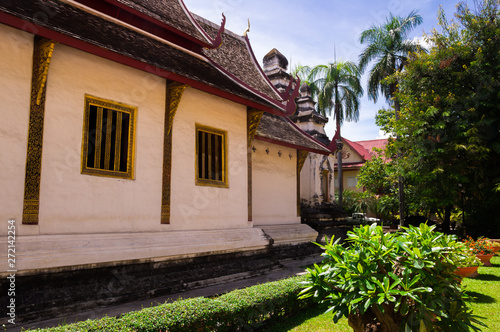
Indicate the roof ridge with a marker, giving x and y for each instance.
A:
(215, 26)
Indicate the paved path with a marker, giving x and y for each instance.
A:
(286, 269)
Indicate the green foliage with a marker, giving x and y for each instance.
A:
(377, 176)
(244, 309)
(450, 118)
(386, 207)
(387, 44)
(354, 201)
(337, 86)
(399, 280)
(469, 261)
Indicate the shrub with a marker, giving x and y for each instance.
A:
(393, 281)
(354, 201)
(244, 309)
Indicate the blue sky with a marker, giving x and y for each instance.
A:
(307, 32)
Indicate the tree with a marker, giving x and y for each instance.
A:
(388, 46)
(376, 176)
(337, 86)
(450, 118)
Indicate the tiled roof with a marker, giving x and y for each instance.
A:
(360, 150)
(373, 144)
(236, 56)
(365, 148)
(231, 68)
(171, 12)
(121, 39)
(282, 130)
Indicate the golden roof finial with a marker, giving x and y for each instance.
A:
(248, 29)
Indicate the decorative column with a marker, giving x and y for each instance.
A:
(173, 98)
(253, 120)
(42, 54)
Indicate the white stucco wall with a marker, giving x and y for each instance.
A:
(89, 219)
(311, 178)
(71, 202)
(310, 126)
(16, 51)
(274, 198)
(307, 179)
(203, 207)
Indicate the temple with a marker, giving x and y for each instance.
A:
(142, 147)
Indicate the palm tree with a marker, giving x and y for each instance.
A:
(337, 86)
(388, 47)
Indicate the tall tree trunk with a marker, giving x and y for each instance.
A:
(400, 178)
(339, 154)
(339, 172)
(447, 218)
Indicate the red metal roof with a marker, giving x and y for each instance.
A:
(364, 149)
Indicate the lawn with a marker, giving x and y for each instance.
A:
(485, 301)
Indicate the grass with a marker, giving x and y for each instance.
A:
(484, 291)
(313, 319)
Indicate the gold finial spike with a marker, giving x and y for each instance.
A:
(248, 29)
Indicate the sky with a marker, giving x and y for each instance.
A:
(313, 32)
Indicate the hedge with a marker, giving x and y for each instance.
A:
(243, 309)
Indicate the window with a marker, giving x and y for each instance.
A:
(211, 157)
(352, 182)
(108, 138)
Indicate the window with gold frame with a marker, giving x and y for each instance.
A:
(108, 138)
(211, 157)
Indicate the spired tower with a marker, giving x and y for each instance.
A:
(275, 65)
(316, 176)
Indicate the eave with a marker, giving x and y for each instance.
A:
(282, 131)
(289, 145)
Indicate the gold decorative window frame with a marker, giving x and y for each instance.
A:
(120, 108)
(223, 183)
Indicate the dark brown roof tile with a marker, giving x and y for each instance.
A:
(281, 129)
(234, 55)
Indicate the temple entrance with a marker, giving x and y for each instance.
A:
(325, 185)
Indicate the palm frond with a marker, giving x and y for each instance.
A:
(388, 47)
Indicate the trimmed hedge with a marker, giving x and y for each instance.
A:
(243, 309)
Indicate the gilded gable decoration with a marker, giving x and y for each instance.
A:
(301, 159)
(253, 120)
(175, 92)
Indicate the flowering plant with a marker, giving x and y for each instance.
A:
(479, 246)
(493, 243)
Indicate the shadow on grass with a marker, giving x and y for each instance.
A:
(487, 277)
(480, 298)
(288, 323)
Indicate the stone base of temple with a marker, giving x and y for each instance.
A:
(49, 286)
